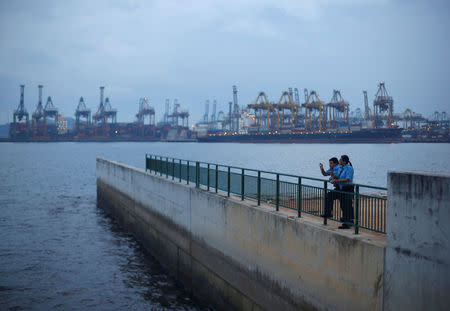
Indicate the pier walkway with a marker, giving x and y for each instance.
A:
(304, 195)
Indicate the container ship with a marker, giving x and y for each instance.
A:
(389, 135)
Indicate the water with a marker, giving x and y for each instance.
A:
(58, 251)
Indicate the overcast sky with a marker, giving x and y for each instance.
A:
(196, 50)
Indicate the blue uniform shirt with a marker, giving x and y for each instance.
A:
(336, 170)
(347, 173)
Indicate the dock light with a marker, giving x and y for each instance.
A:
(116, 131)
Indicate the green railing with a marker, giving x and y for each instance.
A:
(302, 194)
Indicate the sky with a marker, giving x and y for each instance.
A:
(197, 50)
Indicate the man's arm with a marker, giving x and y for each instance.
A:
(322, 170)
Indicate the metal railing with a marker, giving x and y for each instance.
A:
(302, 194)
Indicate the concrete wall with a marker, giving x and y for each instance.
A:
(417, 267)
(240, 256)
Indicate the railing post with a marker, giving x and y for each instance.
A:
(160, 166)
(259, 188)
(179, 169)
(207, 187)
(151, 163)
(217, 178)
(229, 181)
(242, 184)
(187, 173)
(167, 167)
(197, 174)
(299, 197)
(173, 168)
(356, 209)
(277, 205)
(325, 185)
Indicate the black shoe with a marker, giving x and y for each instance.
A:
(344, 226)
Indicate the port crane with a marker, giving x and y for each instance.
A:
(383, 108)
(50, 111)
(104, 113)
(263, 111)
(367, 110)
(38, 116)
(338, 111)
(19, 114)
(314, 112)
(145, 110)
(82, 112)
(288, 110)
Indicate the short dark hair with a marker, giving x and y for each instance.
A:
(334, 160)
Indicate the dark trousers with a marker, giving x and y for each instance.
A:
(329, 200)
(346, 200)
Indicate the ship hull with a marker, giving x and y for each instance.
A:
(361, 136)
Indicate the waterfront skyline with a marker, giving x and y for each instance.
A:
(164, 49)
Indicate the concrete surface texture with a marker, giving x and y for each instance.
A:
(242, 256)
(417, 265)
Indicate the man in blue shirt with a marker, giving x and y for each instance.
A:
(345, 182)
(334, 172)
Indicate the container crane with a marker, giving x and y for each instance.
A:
(18, 115)
(50, 111)
(314, 112)
(367, 110)
(38, 116)
(337, 111)
(82, 112)
(383, 107)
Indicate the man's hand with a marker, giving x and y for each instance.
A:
(321, 166)
(333, 181)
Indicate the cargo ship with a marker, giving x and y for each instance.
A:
(383, 135)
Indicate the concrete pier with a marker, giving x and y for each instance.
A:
(417, 268)
(240, 256)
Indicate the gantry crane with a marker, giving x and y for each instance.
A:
(50, 111)
(383, 108)
(289, 119)
(264, 112)
(38, 116)
(104, 113)
(177, 115)
(337, 111)
(18, 115)
(213, 115)
(82, 112)
(314, 112)
(110, 113)
(99, 116)
(206, 115)
(367, 110)
(145, 110)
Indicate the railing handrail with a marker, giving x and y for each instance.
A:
(266, 172)
(370, 210)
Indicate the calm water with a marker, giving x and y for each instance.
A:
(59, 252)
